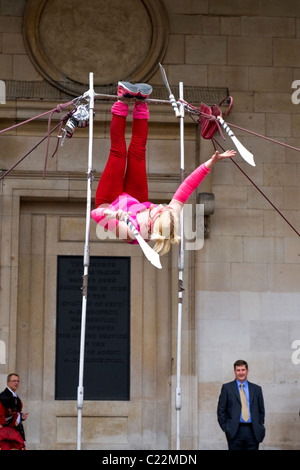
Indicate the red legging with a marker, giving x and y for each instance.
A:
(117, 177)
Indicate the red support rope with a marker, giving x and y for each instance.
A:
(264, 137)
(58, 109)
(193, 110)
(255, 185)
(26, 155)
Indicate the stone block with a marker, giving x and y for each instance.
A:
(190, 75)
(291, 249)
(6, 66)
(236, 222)
(212, 276)
(218, 305)
(164, 156)
(292, 155)
(234, 77)
(242, 101)
(295, 125)
(254, 122)
(248, 51)
(224, 249)
(234, 8)
(210, 25)
(269, 336)
(278, 125)
(274, 8)
(175, 51)
(256, 200)
(230, 25)
(280, 174)
(23, 69)
(11, 24)
(250, 303)
(211, 335)
(199, 6)
(185, 24)
(270, 79)
(291, 198)
(113, 429)
(281, 306)
(264, 250)
(286, 52)
(251, 277)
(268, 27)
(205, 50)
(12, 43)
(230, 196)
(284, 277)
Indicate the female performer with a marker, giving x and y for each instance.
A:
(122, 191)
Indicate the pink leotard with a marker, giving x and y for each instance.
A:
(128, 204)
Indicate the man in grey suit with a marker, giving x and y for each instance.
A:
(243, 431)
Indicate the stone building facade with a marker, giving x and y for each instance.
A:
(241, 288)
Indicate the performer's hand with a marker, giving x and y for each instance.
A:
(220, 156)
(122, 215)
(119, 214)
(109, 214)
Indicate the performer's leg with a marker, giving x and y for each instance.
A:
(111, 183)
(135, 182)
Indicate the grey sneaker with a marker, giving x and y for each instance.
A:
(130, 90)
(145, 90)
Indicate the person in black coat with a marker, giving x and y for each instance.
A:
(242, 432)
(10, 391)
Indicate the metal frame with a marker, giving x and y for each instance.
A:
(90, 96)
(86, 260)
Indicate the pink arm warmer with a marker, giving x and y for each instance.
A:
(190, 183)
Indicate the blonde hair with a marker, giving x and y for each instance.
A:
(164, 230)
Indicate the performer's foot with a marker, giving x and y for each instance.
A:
(145, 90)
(130, 90)
(127, 90)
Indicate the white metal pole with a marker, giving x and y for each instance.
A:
(178, 397)
(86, 261)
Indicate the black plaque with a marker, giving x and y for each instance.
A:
(107, 339)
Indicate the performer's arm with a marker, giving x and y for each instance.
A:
(192, 181)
